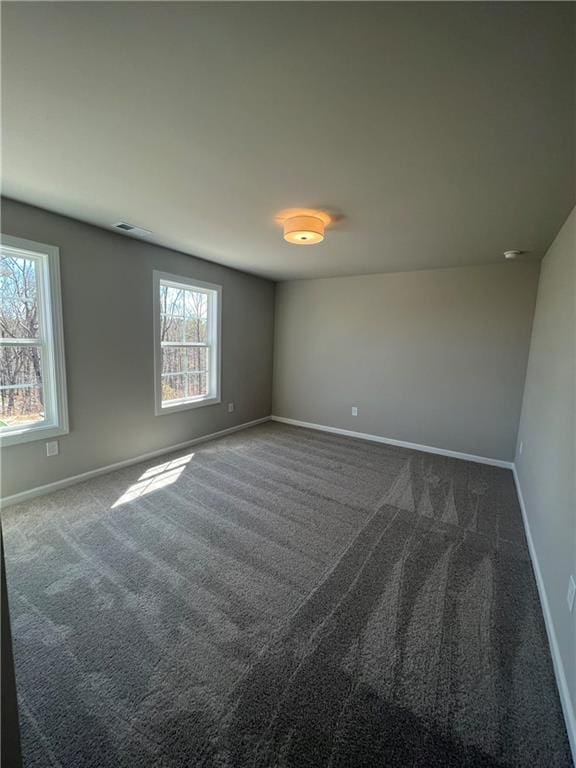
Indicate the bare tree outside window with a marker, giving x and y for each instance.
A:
(184, 343)
(21, 384)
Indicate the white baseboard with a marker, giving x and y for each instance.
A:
(400, 443)
(562, 683)
(41, 490)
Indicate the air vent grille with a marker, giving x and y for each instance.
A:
(123, 226)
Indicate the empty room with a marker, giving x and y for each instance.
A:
(288, 384)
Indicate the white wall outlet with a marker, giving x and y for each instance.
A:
(520, 447)
(571, 593)
(52, 448)
(354, 411)
(231, 408)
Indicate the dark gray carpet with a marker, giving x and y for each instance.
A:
(284, 598)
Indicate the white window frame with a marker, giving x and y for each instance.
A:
(51, 341)
(213, 397)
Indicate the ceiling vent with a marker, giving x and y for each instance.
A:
(125, 227)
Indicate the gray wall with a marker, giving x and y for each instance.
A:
(547, 466)
(107, 307)
(435, 357)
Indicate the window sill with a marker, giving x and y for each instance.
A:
(31, 434)
(186, 405)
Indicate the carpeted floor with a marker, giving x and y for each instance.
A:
(282, 598)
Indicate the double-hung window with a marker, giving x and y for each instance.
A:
(32, 372)
(187, 343)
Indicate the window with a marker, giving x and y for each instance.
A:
(187, 343)
(32, 373)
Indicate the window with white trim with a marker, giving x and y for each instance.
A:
(32, 371)
(187, 342)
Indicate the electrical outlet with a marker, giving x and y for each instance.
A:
(230, 407)
(52, 448)
(354, 411)
(521, 447)
(571, 593)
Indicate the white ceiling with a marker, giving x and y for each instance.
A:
(443, 132)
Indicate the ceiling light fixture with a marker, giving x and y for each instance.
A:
(304, 230)
(304, 226)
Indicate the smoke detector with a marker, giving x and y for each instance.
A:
(513, 254)
(123, 226)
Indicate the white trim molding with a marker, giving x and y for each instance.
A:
(42, 490)
(559, 671)
(399, 443)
